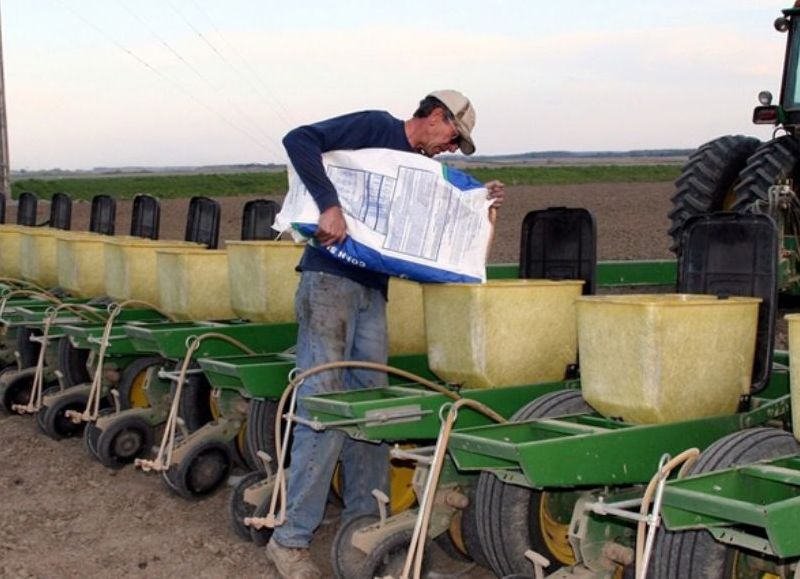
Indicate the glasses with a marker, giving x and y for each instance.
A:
(448, 116)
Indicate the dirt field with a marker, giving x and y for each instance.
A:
(65, 515)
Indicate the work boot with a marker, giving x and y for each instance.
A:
(292, 563)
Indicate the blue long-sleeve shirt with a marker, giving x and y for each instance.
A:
(305, 145)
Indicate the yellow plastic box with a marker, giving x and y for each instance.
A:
(131, 269)
(38, 259)
(503, 332)
(10, 250)
(664, 358)
(193, 284)
(263, 280)
(405, 318)
(794, 370)
(81, 264)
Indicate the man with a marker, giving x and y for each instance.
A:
(341, 313)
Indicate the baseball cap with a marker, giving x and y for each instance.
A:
(464, 116)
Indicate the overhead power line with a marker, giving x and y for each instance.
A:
(176, 85)
(280, 109)
(233, 105)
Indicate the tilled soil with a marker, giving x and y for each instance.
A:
(65, 515)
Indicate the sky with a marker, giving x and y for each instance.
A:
(99, 83)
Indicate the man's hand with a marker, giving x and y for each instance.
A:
(497, 192)
(331, 227)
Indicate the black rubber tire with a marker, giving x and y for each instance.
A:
(388, 557)
(695, 553)
(185, 478)
(469, 530)
(774, 160)
(507, 514)
(129, 376)
(195, 403)
(28, 351)
(16, 390)
(72, 363)
(346, 560)
(260, 433)
(261, 537)
(56, 425)
(123, 440)
(708, 179)
(238, 510)
(91, 433)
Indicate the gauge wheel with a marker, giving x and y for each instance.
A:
(201, 471)
(132, 385)
(682, 554)
(124, 439)
(512, 519)
(72, 363)
(259, 431)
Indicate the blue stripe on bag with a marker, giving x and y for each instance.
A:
(359, 255)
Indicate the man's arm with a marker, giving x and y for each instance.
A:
(305, 145)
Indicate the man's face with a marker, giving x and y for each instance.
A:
(441, 134)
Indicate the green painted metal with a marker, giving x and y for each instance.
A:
(734, 502)
(601, 451)
(88, 336)
(261, 376)
(170, 339)
(610, 273)
(266, 375)
(411, 412)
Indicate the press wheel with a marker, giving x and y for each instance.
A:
(124, 439)
(55, 422)
(15, 389)
(345, 558)
(201, 471)
(238, 509)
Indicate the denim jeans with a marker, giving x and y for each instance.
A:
(338, 319)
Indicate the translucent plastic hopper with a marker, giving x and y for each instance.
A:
(81, 264)
(666, 357)
(263, 279)
(10, 250)
(405, 318)
(193, 284)
(38, 259)
(504, 332)
(131, 269)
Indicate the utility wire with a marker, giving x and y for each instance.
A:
(247, 118)
(168, 80)
(280, 110)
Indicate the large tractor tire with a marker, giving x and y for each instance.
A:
(773, 161)
(707, 181)
(695, 553)
(512, 519)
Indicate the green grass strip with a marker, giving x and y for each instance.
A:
(274, 183)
